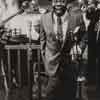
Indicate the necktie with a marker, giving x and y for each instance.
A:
(59, 31)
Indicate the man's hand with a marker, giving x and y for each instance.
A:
(76, 29)
(75, 52)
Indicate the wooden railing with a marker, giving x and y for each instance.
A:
(29, 52)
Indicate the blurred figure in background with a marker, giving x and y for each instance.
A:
(93, 16)
(32, 20)
(3, 8)
(12, 8)
(3, 78)
(26, 25)
(97, 27)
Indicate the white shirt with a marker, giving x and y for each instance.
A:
(86, 21)
(64, 24)
(23, 22)
(32, 20)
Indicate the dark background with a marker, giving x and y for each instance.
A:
(44, 2)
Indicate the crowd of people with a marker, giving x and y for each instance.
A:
(69, 39)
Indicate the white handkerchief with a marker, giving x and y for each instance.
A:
(76, 29)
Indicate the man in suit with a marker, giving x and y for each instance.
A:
(55, 49)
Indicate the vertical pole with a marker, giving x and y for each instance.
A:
(39, 75)
(29, 72)
(19, 67)
(4, 80)
(9, 68)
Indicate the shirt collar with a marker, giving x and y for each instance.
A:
(64, 17)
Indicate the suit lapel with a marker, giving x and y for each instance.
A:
(68, 29)
(51, 22)
(70, 26)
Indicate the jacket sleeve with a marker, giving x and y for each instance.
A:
(82, 30)
(42, 38)
(83, 34)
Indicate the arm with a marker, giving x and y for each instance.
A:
(82, 29)
(42, 39)
(83, 35)
(80, 36)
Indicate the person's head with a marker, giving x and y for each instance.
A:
(59, 6)
(83, 5)
(12, 2)
(98, 1)
(98, 4)
(34, 5)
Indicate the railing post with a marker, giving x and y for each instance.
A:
(9, 68)
(19, 67)
(39, 75)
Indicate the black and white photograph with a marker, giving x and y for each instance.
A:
(49, 50)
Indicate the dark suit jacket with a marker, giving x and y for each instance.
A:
(50, 50)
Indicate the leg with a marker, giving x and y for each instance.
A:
(69, 82)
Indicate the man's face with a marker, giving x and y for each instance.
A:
(59, 6)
